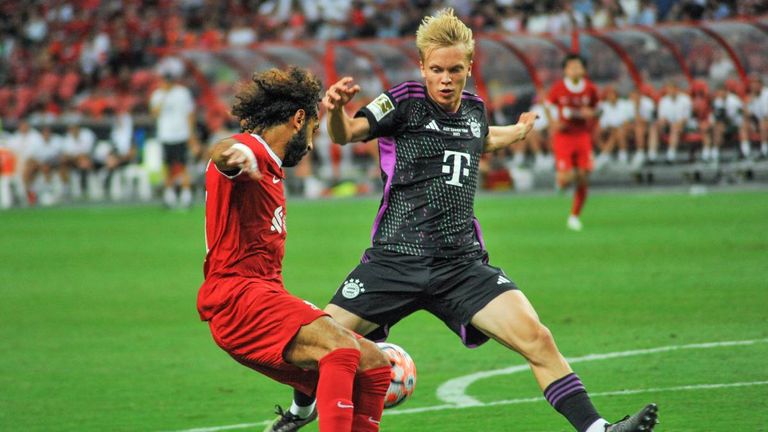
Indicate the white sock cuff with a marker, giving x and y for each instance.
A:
(301, 411)
(598, 426)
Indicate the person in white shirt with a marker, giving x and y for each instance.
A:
(728, 110)
(758, 110)
(23, 144)
(173, 107)
(44, 159)
(241, 34)
(613, 131)
(537, 140)
(674, 112)
(641, 114)
(77, 157)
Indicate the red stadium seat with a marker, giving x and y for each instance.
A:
(49, 82)
(735, 86)
(700, 87)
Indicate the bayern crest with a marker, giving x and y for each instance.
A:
(474, 126)
(352, 288)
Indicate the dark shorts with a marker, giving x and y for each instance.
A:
(175, 153)
(388, 286)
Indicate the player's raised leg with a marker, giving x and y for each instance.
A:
(511, 320)
(335, 352)
(371, 383)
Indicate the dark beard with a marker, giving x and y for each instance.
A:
(296, 148)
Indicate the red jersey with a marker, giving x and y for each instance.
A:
(701, 108)
(244, 226)
(568, 98)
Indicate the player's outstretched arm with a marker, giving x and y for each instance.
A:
(502, 136)
(229, 155)
(341, 127)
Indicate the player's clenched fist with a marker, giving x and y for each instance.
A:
(236, 158)
(527, 119)
(340, 93)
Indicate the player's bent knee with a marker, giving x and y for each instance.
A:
(371, 357)
(342, 340)
(535, 340)
(316, 340)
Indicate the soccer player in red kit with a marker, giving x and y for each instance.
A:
(576, 100)
(251, 315)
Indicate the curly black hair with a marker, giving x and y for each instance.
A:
(274, 96)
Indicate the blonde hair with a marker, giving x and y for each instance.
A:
(444, 29)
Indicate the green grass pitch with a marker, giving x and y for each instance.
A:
(99, 332)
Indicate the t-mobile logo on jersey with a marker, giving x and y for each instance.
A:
(278, 221)
(457, 169)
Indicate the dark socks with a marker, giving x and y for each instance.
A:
(569, 397)
(301, 399)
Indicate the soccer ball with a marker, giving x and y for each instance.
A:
(403, 379)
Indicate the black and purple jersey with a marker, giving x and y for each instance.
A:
(429, 165)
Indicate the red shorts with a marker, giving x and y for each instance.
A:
(572, 150)
(259, 324)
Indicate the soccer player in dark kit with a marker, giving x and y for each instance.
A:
(427, 249)
(251, 315)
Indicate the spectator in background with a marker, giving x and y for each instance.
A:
(538, 140)
(728, 110)
(36, 28)
(121, 137)
(702, 120)
(173, 108)
(511, 20)
(674, 113)
(721, 67)
(129, 177)
(119, 163)
(79, 143)
(648, 13)
(95, 51)
(7, 172)
(758, 110)
(641, 114)
(631, 10)
(23, 144)
(241, 33)
(613, 131)
(44, 159)
(334, 15)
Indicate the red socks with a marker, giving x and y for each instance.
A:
(578, 199)
(370, 388)
(339, 407)
(334, 389)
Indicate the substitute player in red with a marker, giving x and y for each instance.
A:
(251, 315)
(575, 98)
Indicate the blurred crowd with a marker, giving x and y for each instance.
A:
(95, 56)
(69, 63)
(671, 126)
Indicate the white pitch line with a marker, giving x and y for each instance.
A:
(454, 392)
(228, 427)
(468, 402)
(514, 402)
(596, 394)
